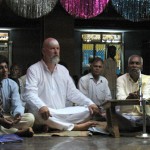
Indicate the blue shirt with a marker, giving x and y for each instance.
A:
(11, 99)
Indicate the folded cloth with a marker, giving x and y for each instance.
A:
(5, 138)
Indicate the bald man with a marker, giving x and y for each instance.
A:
(48, 86)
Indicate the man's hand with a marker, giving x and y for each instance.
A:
(94, 109)
(134, 95)
(6, 123)
(17, 118)
(44, 112)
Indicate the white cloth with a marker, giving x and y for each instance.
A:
(44, 88)
(98, 92)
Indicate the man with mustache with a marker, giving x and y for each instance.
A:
(130, 117)
(49, 86)
(95, 86)
(12, 116)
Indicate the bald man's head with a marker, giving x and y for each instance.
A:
(51, 50)
(47, 42)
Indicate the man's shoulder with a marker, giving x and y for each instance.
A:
(62, 69)
(9, 82)
(145, 78)
(35, 66)
(86, 77)
(103, 78)
(123, 77)
(59, 66)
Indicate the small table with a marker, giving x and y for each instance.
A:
(109, 106)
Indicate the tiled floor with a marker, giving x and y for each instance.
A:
(95, 142)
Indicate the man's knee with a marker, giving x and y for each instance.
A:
(29, 117)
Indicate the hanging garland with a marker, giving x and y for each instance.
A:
(31, 8)
(133, 10)
(84, 8)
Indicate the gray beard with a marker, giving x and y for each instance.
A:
(55, 60)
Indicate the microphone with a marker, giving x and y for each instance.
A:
(140, 87)
(140, 78)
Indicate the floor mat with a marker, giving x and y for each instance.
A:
(71, 133)
(65, 133)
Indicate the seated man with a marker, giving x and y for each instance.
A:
(15, 73)
(95, 86)
(128, 88)
(48, 86)
(12, 116)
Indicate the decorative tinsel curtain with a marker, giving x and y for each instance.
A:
(133, 10)
(84, 8)
(31, 8)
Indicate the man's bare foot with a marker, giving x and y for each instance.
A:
(84, 126)
(25, 133)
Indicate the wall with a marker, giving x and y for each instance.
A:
(60, 25)
(26, 45)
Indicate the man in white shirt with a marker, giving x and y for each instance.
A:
(95, 86)
(128, 88)
(48, 86)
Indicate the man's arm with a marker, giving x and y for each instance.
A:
(31, 94)
(31, 89)
(74, 95)
(6, 123)
(16, 104)
(120, 89)
(146, 86)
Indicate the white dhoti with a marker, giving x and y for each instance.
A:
(64, 119)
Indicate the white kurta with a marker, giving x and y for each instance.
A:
(98, 91)
(126, 85)
(44, 88)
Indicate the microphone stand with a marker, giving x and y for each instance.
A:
(142, 108)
